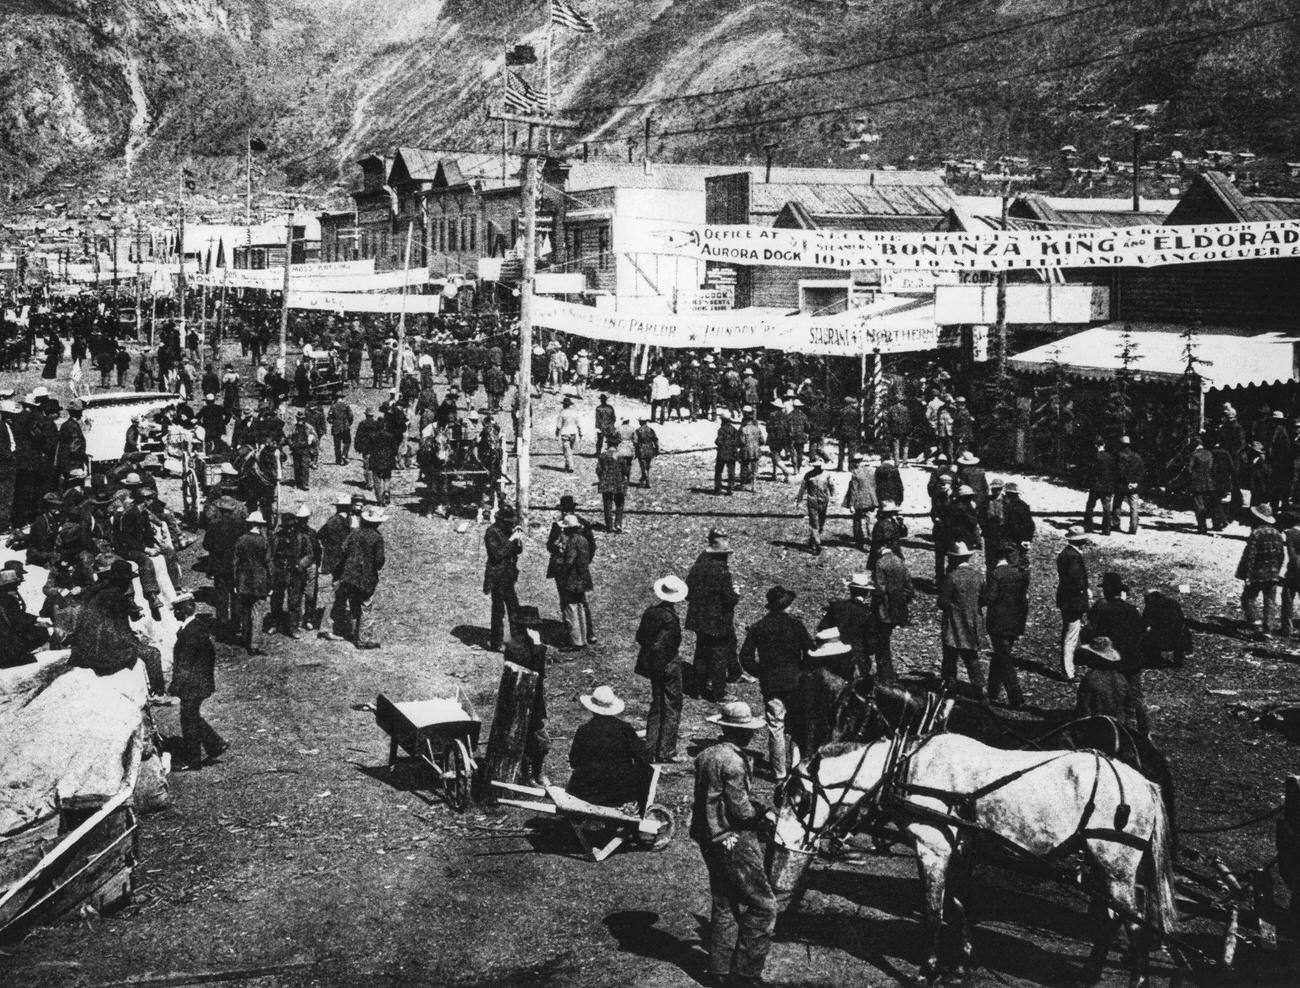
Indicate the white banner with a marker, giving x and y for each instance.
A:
(848, 250)
(272, 279)
(893, 327)
(359, 302)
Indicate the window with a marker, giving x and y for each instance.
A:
(603, 246)
(441, 243)
(575, 245)
(514, 233)
(473, 233)
(452, 240)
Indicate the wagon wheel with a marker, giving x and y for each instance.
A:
(456, 775)
(668, 825)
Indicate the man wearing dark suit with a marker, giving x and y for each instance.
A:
(860, 498)
(252, 573)
(504, 544)
(1101, 488)
(710, 613)
(1115, 618)
(889, 482)
(1007, 594)
(961, 599)
(893, 596)
(1200, 485)
(1071, 595)
(193, 662)
(357, 572)
(774, 650)
(727, 443)
(854, 617)
(219, 542)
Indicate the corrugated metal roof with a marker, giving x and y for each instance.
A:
(820, 199)
(1228, 360)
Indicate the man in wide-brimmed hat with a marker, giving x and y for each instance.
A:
(1105, 691)
(774, 651)
(711, 614)
(854, 618)
(252, 567)
(816, 489)
(659, 640)
(725, 822)
(608, 758)
(961, 599)
(1262, 565)
(1130, 471)
(1072, 597)
(1007, 596)
(357, 572)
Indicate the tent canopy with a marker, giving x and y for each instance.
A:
(1225, 360)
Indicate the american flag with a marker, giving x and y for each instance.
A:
(565, 14)
(523, 98)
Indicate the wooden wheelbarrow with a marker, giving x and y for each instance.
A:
(652, 829)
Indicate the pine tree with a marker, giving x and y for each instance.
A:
(1119, 409)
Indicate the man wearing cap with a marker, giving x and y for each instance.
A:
(252, 566)
(710, 613)
(608, 758)
(854, 619)
(1072, 596)
(20, 632)
(70, 453)
(1105, 691)
(605, 423)
(193, 681)
(725, 821)
(659, 641)
(612, 486)
(645, 443)
(294, 551)
(340, 421)
(1007, 594)
(773, 650)
(1130, 470)
(503, 542)
(816, 487)
(1260, 569)
(727, 445)
(860, 498)
(1101, 481)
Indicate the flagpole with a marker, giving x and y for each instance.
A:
(284, 304)
(248, 179)
(401, 318)
(550, 30)
(180, 254)
(505, 67)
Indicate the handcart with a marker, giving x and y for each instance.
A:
(652, 828)
(442, 733)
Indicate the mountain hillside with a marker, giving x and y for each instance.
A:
(126, 89)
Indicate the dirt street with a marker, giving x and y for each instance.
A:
(298, 860)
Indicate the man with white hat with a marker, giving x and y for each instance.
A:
(608, 758)
(357, 572)
(725, 822)
(659, 641)
(1072, 597)
(961, 599)
(294, 552)
(252, 573)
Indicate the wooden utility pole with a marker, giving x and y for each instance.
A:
(401, 318)
(284, 302)
(999, 342)
(1137, 158)
(180, 256)
(528, 190)
(138, 327)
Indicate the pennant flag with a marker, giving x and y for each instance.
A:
(521, 55)
(523, 98)
(256, 144)
(564, 14)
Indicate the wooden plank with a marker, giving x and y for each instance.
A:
(515, 787)
(511, 724)
(572, 806)
(524, 804)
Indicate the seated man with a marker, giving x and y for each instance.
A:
(20, 632)
(1105, 690)
(103, 639)
(609, 760)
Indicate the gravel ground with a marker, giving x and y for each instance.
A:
(300, 860)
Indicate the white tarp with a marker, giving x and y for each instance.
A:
(890, 326)
(1147, 246)
(363, 302)
(272, 279)
(1159, 353)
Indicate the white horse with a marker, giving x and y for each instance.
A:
(1041, 805)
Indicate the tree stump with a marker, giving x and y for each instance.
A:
(511, 724)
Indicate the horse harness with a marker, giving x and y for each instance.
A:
(894, 793)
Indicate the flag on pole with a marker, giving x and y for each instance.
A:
(523, 98)
(564, 14)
